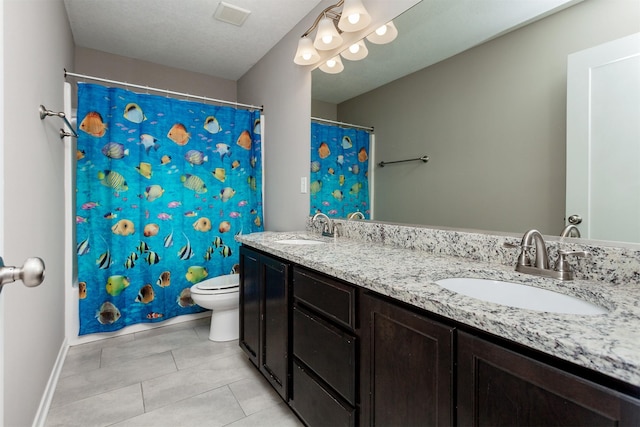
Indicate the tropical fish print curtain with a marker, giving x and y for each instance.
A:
(339, 171)
(163, 186)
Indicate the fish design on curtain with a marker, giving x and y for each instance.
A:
(163, 186)
(339, 171)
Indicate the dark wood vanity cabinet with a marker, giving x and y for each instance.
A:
(264, 316)
(325, 352)
(341, 355)
(407, 364)
(500, 387)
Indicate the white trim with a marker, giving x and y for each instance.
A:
(47, 396)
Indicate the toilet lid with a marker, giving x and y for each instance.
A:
(216, 286)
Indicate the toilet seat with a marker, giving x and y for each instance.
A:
(215, 289)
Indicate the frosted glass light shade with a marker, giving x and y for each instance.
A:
(384, 34)
(306, 53)
(356, 51)
(354, 16)
(327, 36)
(333, 65)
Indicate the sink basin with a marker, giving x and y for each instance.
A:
(520, 296)
(300, 242)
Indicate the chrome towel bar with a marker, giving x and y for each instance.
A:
(46, 113)
(424, 159)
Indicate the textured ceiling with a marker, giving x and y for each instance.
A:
(430, 32)
(184, 33)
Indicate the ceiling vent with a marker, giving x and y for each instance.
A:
(232, 14)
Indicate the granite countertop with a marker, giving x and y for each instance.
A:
(608, 343)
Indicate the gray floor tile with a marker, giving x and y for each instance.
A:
(203, 330)
(274, 416)
(148, 346)
(254, 394)
(214, 408)
(101, 410)
(171, 376)
(165, 390)
(204, 352)
(172, 328)
(80, 386)
(79, 362)
(107, 342)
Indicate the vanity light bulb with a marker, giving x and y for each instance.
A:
(306, 56)
(354, 18)
(354, 48)
(326, 39)
(381, 31)
(331, 63)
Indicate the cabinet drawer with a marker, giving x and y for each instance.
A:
(328, 351)
(317, 407)
(329, 297)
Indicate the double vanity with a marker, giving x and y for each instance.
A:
(386, 326)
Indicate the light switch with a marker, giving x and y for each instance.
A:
(303, 185)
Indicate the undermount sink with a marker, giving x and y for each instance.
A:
(520, 296)
(300, 241)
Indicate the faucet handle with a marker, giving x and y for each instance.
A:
(563, 264)
(523, 258)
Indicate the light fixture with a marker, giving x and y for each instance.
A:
(327, 37)
(384, 34)
(306, 53)
(333, 65)
(356, 51)
(354, 16)
(330, 23)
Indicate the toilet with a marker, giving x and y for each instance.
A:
(221, 295)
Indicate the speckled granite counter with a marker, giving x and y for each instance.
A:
(608, 343)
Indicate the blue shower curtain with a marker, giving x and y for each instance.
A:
(339, 171)
(163, 186)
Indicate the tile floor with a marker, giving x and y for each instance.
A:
(171, 376)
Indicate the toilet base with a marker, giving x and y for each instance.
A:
(225, 325)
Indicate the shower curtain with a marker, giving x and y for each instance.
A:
(339, 171)
(163, 186)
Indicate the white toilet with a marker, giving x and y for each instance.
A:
(221, 295)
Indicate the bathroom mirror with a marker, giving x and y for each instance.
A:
(493, 120)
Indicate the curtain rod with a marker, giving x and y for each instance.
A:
(168, 92)
(318, 119)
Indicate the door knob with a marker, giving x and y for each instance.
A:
(574, 219)
(31, 273)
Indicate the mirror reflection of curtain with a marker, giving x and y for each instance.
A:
(163, 185)
(339, 171)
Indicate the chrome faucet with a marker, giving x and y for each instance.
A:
(354, 215)
(540, 267)
(566, 232)
(328, 228)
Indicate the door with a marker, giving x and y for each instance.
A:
(498, 387)
(250, 297)
(603, 140)
(274, 348)
(406, 371)
(1, 212)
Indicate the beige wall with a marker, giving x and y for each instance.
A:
(324, 110)
(37, 47)
(492, 120)
(114, 67)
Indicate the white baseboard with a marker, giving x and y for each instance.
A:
(47, 396)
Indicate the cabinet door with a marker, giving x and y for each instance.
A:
(499, 387)
(274, 360)
(250, 303)
(406, 372)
